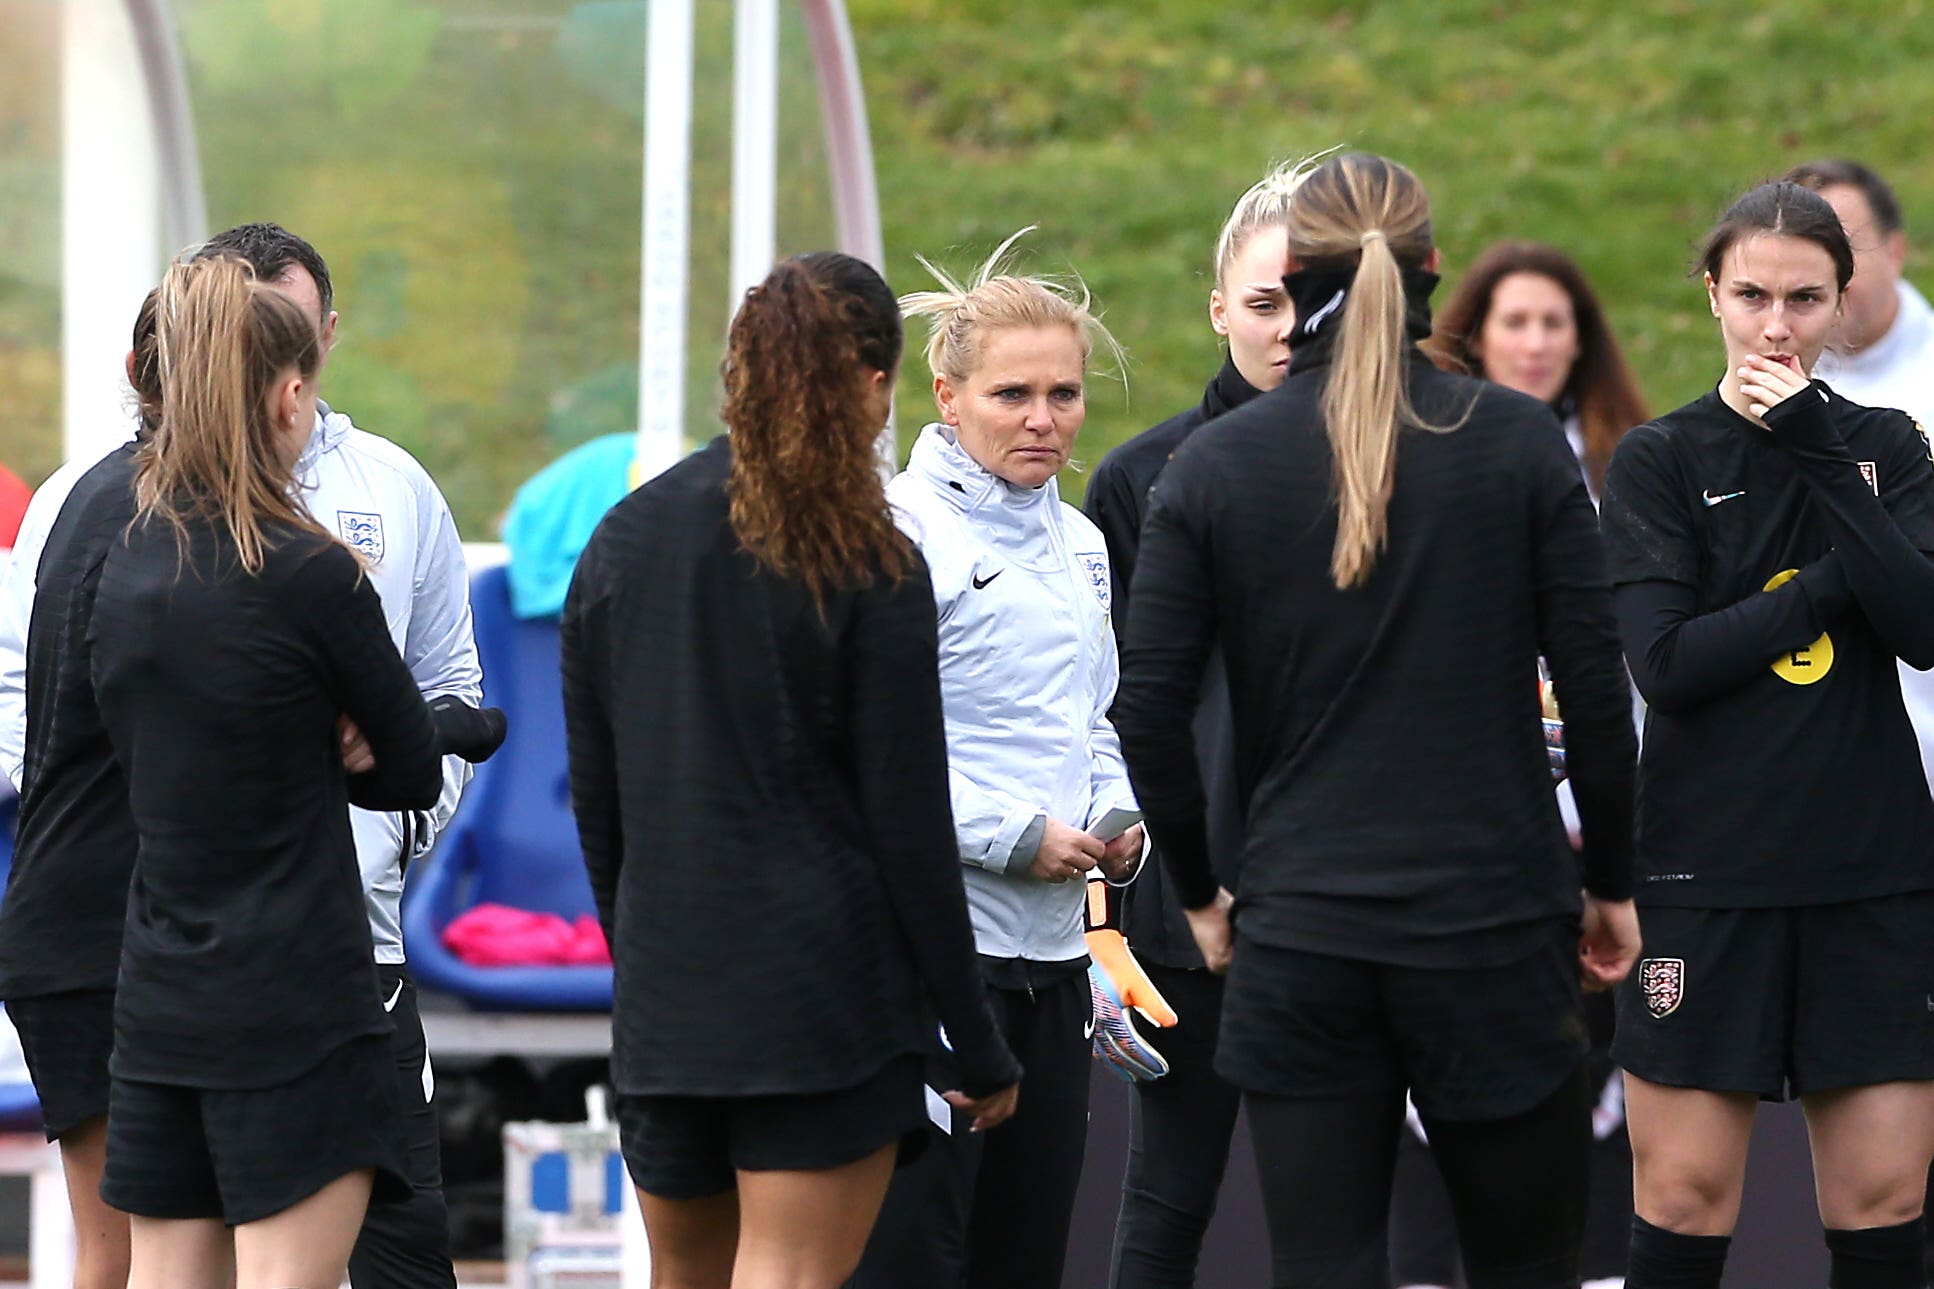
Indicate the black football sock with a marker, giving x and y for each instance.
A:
(1664, 1259)
(1879, 1257)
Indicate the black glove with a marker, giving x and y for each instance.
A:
(469, 732)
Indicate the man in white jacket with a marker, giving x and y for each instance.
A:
(1882, 355)
(380, 501)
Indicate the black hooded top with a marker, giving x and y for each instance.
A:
(1389, 752)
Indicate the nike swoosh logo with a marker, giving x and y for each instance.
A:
(390, 1006)
(980, 583)
(1088, 1030)
(1711, 500)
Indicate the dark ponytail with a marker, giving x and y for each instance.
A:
(807, 498)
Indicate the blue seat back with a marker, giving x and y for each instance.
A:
(517, 813)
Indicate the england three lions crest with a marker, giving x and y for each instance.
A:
(362, 532)
(1663, 982)
(1095, 565)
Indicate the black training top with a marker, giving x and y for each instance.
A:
(1766, 584)
(1390, 751)
(1151, 915)
(761, 794)
(67, 896)
(247, 957)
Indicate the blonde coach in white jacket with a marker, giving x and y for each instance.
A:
(1027, 673)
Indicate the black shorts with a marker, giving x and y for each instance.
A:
(241, 1155)
(66, 1039)
(1472, 1045)
(1782, 1002)
(679, 1147)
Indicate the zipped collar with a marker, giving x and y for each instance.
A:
(331, 429)
(939, 461)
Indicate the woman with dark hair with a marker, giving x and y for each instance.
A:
(230, 634)
(759, 773)
(1351, 540)
(1770, 547)
(1524, 316)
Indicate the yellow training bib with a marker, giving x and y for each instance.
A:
(1804, 665)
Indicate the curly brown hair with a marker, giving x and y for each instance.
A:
(807, 497)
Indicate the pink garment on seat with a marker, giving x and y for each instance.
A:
(496, 935)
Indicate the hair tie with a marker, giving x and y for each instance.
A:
(1376, 233)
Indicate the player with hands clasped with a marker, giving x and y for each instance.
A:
(1770, 544)
(1027, 670)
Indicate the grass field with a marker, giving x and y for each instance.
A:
(471, 169)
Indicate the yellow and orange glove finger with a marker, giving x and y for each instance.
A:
(1111, 954)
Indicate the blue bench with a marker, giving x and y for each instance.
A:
(513, 840)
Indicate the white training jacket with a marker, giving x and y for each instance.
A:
(1027, 672)
(377, 498)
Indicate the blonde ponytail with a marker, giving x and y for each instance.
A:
(1362, 405)
(223, 340)
(1370, 216)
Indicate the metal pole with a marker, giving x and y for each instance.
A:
(755, 142)
(664, 253)
(110, 199)
(849, 153)
(184, 208)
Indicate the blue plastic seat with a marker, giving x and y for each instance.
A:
(514, 840)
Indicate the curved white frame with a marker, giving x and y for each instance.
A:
(132, 191)
(665, 240)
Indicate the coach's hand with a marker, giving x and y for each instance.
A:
(1122, 856)
(1610, 943)
(1215, 935)
(1065, 853)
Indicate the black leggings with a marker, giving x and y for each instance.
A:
(406, 1244)
(1517, 1187)
(992, 1210)
(1178, 1141)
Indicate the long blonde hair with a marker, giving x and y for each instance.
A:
(224, 339)
(1369, 212)
(961, 316)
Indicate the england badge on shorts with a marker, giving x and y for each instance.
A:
(1663, 981)
(362, 531)
(1095, 565)
(1871, 473)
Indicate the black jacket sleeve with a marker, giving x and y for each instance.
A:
(1580, 644)
(584, 631)
(1167, 648)
(1890, 574)
(1116, 510)
(1680, 657)
(369, 681)
(898, 735)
